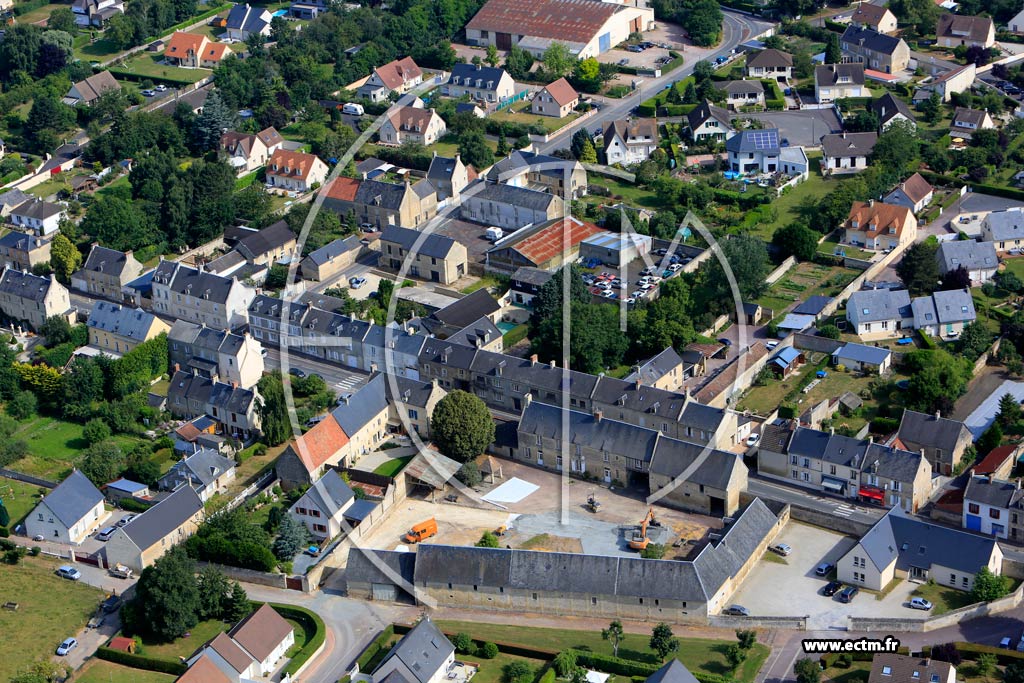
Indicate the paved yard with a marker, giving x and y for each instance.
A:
(811, 545)
(804, 128)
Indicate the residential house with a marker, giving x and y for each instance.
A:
(295, 171)
(400, 75)
(448, 176)
(199, 297)
(206, 471)
(308, 9)
(24, 251)
(463, 312)
(793, 161)
(423, 655)
(244, 21)
(993, 507)
(978, 258)
(744, 93)
(1000, 462)
(526, 284)
(470, 108)
(754, 151)
(889, 667)
(1005, 229)
(557, 99)
(771, 63)
(412, 124)
(146, 538)
(332, 258)
(235, 409)
(586, 27)
(540, 172)
(873, 360)
(667, 370)
(875, 17)
(215, 353)
(846, 152)
(837, 81)
(227, 658)
(914, 193)
(247, 152)
(877, 226)
(35, 215)
(968, 121)
(482, 334)
(379, 204)
(321, 509)
(428, 256)
(89, 90)
(672, 672)
(265, 636)
(1016, 25)
(275, 243)
(117, 329)
(193, 51)
(877, 51)
(630, 141)
(106, 272)
(10, 200)
(411, 403)
(943, 440)
(546, 245)
(954, 30)
(69, 513)
(32, 298)
(944, 313)
(488, 84)
(709, 123)
(954, 81)
(125, 488)
(95, 13)
(309, 455)
(889, 109)
(508, 206)
(898, 546)
(879, 313)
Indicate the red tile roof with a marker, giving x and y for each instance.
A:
(343, 189)
(122, 643)
(875, 218)
(299, 164)
(548, 242)
(571, 21)
(996, 457)
(215, 52)
(399, 72)
(320, 443)
(183, 45)
(561, 92)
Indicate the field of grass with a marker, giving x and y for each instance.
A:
(149, 65)
(490, 669)
(810, 190)
(804, 280)
(187, 644)
(392, 467)
(100, 50)
(631, 194)
(100, 671)
(19, 498)
(697, 654)
(49, 610)
(115, 187)
(831, 244)
(520, 113)
(943, 598)
(857, 672)
(38, 14)
(54, 446)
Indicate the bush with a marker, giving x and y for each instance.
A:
(381, 642)
(884, 425)
(489, 651)
(463, 643)
(548, 676)
(316, 633)
(4, 532)
(829, 332)
(141, 661)
(34, 552)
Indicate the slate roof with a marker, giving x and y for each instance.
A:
(13, 198)
(812, 305)
(468, 309)
(762, 140)
(871, 40)
(915, 543)
(705, 111)
(967, 253)
(925, 429)
(604, 434)
(120, 320)
(104, 260)
(261, 632)
(364, 565)
(37, 208)
(769, 58)
(270, 239)
(423, 650)
(672, 672)
(861, 353)
(895, 668)
(959, 27)
(954, 305)
(364, 405)
(775, 438)
(20, 241)
(531, 276)
(202, 467)
(467, 75)
(478, 333)
(388, 196)
(997, 493)
(73, 499)
(160, 520)
(519, 162)
(875, 305)
(433, 245)
(246, 18)
(657, 367)
(672, 458)
(330, 493)
(848, 144)
(24, 285)
(205, 391)
(633, 131)
(893, 463)
(833, 74)
(1006, 225)
(888, 106)
(182, 279)
(501, 193)
(572, 21)
(968, 118)
(742, 87)
(333, 250)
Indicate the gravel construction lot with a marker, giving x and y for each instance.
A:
(811, 545)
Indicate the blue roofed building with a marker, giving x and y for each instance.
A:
(754, 151)
(786, 361)
(245, 20)
(125, 488)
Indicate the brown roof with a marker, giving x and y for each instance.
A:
(848, 144)
(907, 669)
(770, 58)
(298, 164)
(549, 241)
(571, 21)
(230, 652)
(121, 643)
(561, 92)
(214, 52)
(343, 189)
(320, 443)
(233, 140)
(869, 14)
(636, 128)
(727, 375)
(996, 457)
(270, 137)
(397, 73)
(261, 632)
(203, 670)
(876, 218)
(959, 26)
(915, 187)
(183, 45)
(91, 88)
(411, 118)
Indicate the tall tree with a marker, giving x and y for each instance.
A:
(103, 462)
(833, 52)
(558, 61)
(273, 411)
(796, 240)
(663, 641)
(461, 426)
(292, 538)
(807, 670)
(492, 58)
(518, 63)
(614, 634)
(474, 150)
(1009, 411)
(64, 258)
(210, 125)
(918, 269)
(214, 593)
(167, 602)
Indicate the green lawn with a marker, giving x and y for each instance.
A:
(50, 187)
(392, 467)
(625, 191)
(490, 669)
(520, 113)
(114, 187)
(100, 50)
(811, 190)
(857, 672)
(804, 280)
(186, 645)
(49, 610)
(831, 244)
(943, 598)
(495, 282)
(19, 498)
(100, 671)
(697, 654)
(1015, 265)
(149, 65)
(38, 14)
(54, 446)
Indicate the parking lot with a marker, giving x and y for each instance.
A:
(804, 128)
(811, 546)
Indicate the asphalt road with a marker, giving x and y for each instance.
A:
(339, 379)
(840, 507)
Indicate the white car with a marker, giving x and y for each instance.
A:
(783, 549)
(161, 88)
(675, 267)
(920, 603)
(356, 282)
(68, 572)
(752, 439)
(771, 345)
(67, 646)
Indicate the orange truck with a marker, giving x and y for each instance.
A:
(422, 531)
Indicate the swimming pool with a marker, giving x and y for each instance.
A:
(506, 327)
(280, 13)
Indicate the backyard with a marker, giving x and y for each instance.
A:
(148, 65)
(100, 671)
(19, 498)
(49, 610)
(37, 15)
(520, 113)
(804, 280)
(392, 467)
(944, 598)
(181, 648)
(831, 247)
(54, 446)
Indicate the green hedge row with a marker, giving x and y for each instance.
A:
(29, 6)
(381, 642)
(125, 75)
(628, 667)
(835, 26)
(743, 200)
(141, 661)
(196, 19)
(773, 97)
(926, 339)
(316, 633)
(973, 650)
(949, 181)
(548, 676)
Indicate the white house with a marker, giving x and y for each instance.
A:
(708, 122)
(966, 122)
(412, 124)
(793, 161)
(295, 171)
(770, 63)
(890, 109)
(954, 30)
(836, 81)
(398, 76)
(745, 93)
(914, 193)
(322, 507)
(206, 471)
(68, 513)
(846, 152)
(265, 636)
(1004, 228)
(42, 218)
(978, 258)
(423, 655)
(875, 17)
(244, 21)
(989, 504)
(487, 84)
(754, 151)
(630, 142)
(1016, 25)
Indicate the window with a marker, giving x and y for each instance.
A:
(796, 475)
(793, 460)
(973, 508)
(993, 513)
(964, 582)
(952, 579)
(320, 527)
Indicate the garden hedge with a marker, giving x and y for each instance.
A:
(972, 651)
(316, 633)
(124, 75)
(629, 667)
(29, 6)
(141, 661)
(381, 642)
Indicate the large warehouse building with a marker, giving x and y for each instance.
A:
(587, 27)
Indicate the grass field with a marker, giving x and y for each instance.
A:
(490, 669)
(632, 194)
(99, 671)
(857, 672)
(49, 610)
(149, 65)
(19, 498)
(186, 645)
(697, 654)
(804, 280)
(54, 446)
(392, 467)
(520, 113)
(38, 14)
(811, 190)
(100, 50)
(943, 598)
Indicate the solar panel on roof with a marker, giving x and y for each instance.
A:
(765, 139)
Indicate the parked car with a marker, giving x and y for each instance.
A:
(356, 282)
(920, 603)
(831, 588)
(66, 571)
(161, 88)
(105, 534)
(120, 571)
(783, 549)
(848, 594)
(736, 611)
(675, 267)
(752, 439)
(67, 646)
(824, 568)
(1006, 643)
(771, 345)
(148, 93)
(725, 341)
(124, 520)
(297, 372)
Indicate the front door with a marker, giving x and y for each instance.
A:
(607, 475)
(503, 40)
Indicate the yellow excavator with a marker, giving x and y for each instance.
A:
(640, 541)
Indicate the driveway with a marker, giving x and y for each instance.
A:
(811, 546)
(804, 128)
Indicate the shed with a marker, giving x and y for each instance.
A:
(615, 249)
(491, 468)
(430, 469)
(786, 361)
(794, 323)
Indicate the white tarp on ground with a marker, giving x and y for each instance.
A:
(596, 677)
(985, 414)
(512, 491)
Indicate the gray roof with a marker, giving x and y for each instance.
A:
(24, 285)
(519, 162)
(423, 650)
(602, 434)
(14, 198)
(893, 463)
(441, 168)
(971, 118)
(705, 111)
(743, 87)
(848, 144)
(163, 518)
(967, 253)
(657, 367)
(465, 73)
(246, 18)
(763, 140)
(500, 193)
(924, 429)
(923, 310)
(133, 323)
(330, 493)
(364, 565)
(888, 106)
(433, 245)
(531, 276)
(769, 58)
(717, 563)
(672, 672)
(834, 74)
(205, 338)
(73, 498)
(182, 279)
(672, 458)
(862, 353)
(1006, 225)
(332, 250)
(364, 405)
(468, 309)
(37, 208)
(21, 241)
(220, 395)
(870, 40)
(477, 333)
(997, 493)
(200, 468)
(410, 392)
(874, 305)
(812, 305)
(269, 239)
(915, 543)
(376, 193)
(107, 261)
(954, 305)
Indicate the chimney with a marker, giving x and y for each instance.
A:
(638, 383)
(871, 203)
(478, 67)
(938, 415)
(598, 414)
(533, 359)
(551, 363)
(234, 384)
(871, 439)
(1018, 483)
(527, 399)
(832, 431)
(844, 134)
(177, 367)
(989, 477)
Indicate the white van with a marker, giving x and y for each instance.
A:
(353, 109)
(494, 234)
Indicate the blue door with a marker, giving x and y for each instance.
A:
(604, 43)
(973, 523)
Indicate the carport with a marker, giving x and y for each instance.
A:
(429, 473)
